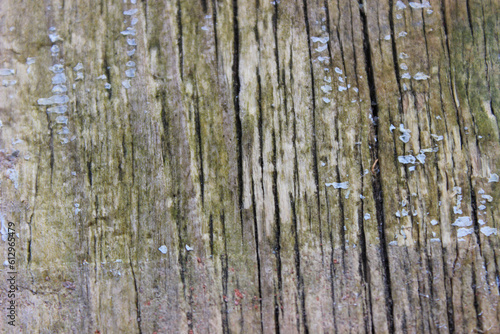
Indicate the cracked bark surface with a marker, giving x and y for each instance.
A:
(242, 122)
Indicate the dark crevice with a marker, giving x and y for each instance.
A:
(204, 5)
(277, 221)
(214, 22)
(180, 39)
(477, 307)
(211, 232)
(200, 149)
(364, 269)
(51, 146)
(376, 180)
(452, 83)
(89, 172)
(314, 149)
(225, 279)
(257, 253)
(299, 276)
(236, 92)
(137, 304)
(394, 49)
(332, 263)
(276, 44)
(469, 17)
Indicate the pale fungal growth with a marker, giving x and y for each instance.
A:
(7, 83)
(7, 71)
(341, 79)
(421, 76)
(79, 76)
(405, 137)
(403, 66)
(487, 231)
(400, 5)
(64, 131)
(462, 222)
(407, 159)
(130, 73)
(130, 12)
(59, 89)
(54, 49)
(406, 76)
(321, 48)
(481, 191)
(131, 41)
(131, 31)
(134, 21)
(327, 79)
(481, 222)
(462, 232)
(421, 157)
(189, 249)
(30, 60)
(417, 5)
(402, 34)
(62, 120)
(387, 37)
(393, 243)
(341, 185)
(437, 138)
(323, 59)
(55, 99)
(411, 168)
(126, 84)
(403, 55)
(367, 216)
(131, 53)
(392, 127)
(488, 198)
(493, 178)
(58, 109)
(482, 207)
(326, 89)
(322, 40)
(58, 79)
(130, 64)
(54, 37)
(163, 249)
(434, 222)
(101, 77)
(338, 70)
(107, 85)
(56, 68)
(430, 11)
(435, 240)
(326, 100)
(342, 88)
(78, 67)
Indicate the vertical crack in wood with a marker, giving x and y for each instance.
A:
(277, 245)
(225, 279)
(180, 40)
(237, 116)
(200, 148)
(394, 50)
(314, 149)
(376, 180)
(298, 272)
(137, 304)
(257, 253)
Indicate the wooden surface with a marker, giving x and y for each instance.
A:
(229, 148)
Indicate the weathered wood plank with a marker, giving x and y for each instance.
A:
(310, 166)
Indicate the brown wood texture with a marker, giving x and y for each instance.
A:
(310, 166)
